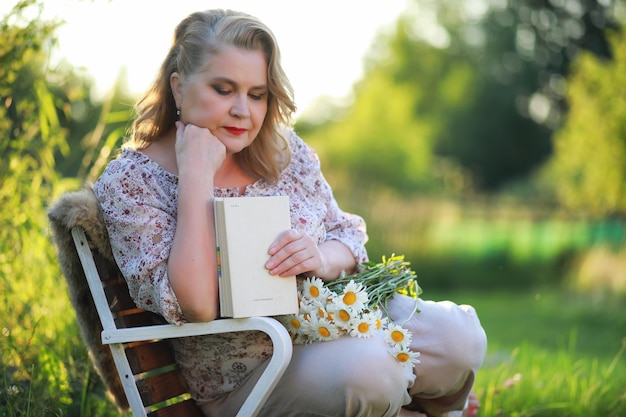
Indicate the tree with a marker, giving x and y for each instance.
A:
(385, 137)
(485, 81)
(377, 141)
(589, 166)
(520, 53)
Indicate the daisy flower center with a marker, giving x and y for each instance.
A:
(344, 315)
(349, 298)
(324, 332)
(402, 357)
(363, 327)
(295, 323)
(314, 291)
(397, 336)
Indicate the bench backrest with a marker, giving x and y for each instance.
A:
(152, 365)
(148, 367)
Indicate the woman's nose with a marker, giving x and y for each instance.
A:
(240, 106)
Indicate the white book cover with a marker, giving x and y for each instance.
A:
(245, 229)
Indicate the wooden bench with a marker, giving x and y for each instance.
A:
(133, 341)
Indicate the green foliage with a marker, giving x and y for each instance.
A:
(378, 140)
(494, 243)
(589, 168)
(95, 129)
(520, 53)
(478, 91)
(43, 364)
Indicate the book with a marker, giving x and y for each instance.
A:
(245, 228)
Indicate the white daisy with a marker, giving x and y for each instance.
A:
(321, 329)
(322, 313)
(313, 289)
(308, 307)
(363, 325)
(381, 322)
(354, 296)
(397, 335)
(294, 323)
(340, 315)
(405, 356)
(302, 339)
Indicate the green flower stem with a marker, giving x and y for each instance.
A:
(382, 280)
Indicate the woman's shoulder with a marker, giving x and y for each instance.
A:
(293, 139)
(132, 166)
(302, 154)
(130, 159)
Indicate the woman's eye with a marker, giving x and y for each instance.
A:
(222, 91)
(257, 96)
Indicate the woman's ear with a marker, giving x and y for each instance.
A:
(177, 86)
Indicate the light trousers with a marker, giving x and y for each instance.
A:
(352, 377)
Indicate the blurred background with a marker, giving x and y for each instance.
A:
(484, 140)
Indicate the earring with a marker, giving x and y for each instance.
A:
(178, 112)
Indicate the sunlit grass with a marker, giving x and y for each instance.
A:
(532, 381)
(551, 353)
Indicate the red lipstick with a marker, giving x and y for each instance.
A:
(235, 130)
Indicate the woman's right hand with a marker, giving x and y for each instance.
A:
(197, 149)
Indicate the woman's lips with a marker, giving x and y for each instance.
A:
(235, 130)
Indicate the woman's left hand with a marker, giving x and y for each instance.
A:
(294, 253)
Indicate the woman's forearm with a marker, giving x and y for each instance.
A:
(192, 266)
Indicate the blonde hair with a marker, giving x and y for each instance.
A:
(196, 38)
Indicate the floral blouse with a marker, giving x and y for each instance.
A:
(139, 202)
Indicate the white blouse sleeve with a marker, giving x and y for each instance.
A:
(141, 223)
(316, 200)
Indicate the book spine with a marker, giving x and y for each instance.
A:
(217, 213)
(219, 263)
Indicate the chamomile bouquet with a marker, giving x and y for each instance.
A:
(356, 305)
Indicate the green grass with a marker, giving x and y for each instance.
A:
(532, 381)
(551, 353)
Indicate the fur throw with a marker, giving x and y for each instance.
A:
(81, 208)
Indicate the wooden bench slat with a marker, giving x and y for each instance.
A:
(118, 297)
(158, 388)
(146, 357)
(140, 319)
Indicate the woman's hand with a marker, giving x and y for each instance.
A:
(197, 149)
(295, 253)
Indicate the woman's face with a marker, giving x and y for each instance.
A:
(229, 97)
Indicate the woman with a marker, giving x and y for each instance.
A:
(215, 123)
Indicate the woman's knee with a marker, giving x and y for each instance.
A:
(358, 376)
(451, 331)
(470, 337)
(377, 389)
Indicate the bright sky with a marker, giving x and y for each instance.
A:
(322, 41)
